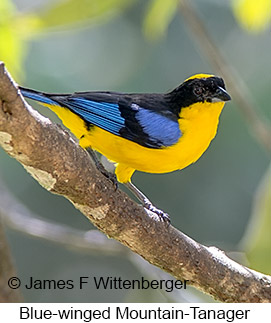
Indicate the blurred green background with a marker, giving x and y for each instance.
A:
(144, 46)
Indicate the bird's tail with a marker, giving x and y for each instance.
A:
(41, 97)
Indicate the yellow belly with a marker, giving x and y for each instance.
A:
(197, 123)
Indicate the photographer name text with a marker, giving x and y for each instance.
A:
(100, 283)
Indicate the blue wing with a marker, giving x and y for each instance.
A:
(102, 114)
(119, 115)
(143, 126)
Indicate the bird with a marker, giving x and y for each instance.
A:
(147, 132)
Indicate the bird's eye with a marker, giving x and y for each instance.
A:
(198, 90)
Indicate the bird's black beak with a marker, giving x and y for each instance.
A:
(222, 95)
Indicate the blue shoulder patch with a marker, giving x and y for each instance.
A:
(159, 128)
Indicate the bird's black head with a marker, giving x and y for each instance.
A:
(198, 88)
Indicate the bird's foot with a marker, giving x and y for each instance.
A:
(163, 217)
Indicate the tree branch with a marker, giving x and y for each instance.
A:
(57, 162)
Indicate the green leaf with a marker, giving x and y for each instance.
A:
(70, 12)
(257, 241)
(158, 17)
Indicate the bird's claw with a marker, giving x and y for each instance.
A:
(163, 217)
